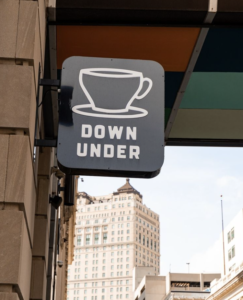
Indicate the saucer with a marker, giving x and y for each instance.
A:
(86, 110)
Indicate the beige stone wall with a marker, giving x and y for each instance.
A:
(25, 179)
(23, 204)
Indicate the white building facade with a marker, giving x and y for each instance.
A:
(233, 240)
(230, 285)
(114, 233)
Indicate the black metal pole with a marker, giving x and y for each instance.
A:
(222, 217)
(69, 190)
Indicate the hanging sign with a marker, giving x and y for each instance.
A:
(111, 117)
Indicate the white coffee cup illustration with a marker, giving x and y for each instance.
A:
(112, 90)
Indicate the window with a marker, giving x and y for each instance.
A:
(105, 238)
(96, 238)
(113, 220)
(87, 239)
(103, 283)
(79, 240)
(231, 235)
(231, 253)
(103, 274)
(96, 228)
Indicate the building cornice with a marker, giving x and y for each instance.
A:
(228, 287)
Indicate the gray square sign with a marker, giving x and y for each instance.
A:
(111, 117)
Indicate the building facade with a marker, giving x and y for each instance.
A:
(114, 233)
(34, 235)
(173, 286)
(230, 286)
(233, 243)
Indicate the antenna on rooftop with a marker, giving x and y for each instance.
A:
(188, 267)
(222, 217)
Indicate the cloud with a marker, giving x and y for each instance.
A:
(232, 190)
(228, 181)
(209, 261)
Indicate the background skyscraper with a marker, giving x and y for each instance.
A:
(114, 233)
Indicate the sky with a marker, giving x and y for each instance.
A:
(186, 195)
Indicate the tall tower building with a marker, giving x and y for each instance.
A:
(114, 233)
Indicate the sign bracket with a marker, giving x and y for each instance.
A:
(49, 83)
